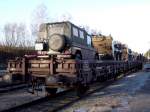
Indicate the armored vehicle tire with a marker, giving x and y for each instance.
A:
(56, 42)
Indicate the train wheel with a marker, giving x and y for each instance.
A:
(51, 91)
(81, 90)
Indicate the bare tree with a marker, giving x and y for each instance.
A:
(22, 35)
(85, 27)
(10, 34)
(39, 15)
(15, 35)
(65, 17)
(96, 32)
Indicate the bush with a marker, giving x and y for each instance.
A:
(7, 53)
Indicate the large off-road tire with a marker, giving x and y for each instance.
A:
(56, 42)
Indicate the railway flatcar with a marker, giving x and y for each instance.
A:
(66, 59)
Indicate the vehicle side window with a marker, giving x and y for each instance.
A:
(81, 34)
(75, 32)
(89, 40)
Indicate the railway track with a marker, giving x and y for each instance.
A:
(4, 84)
(56, 102)
(12, 87)
(17, 97)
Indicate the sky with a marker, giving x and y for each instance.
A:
(128, 21)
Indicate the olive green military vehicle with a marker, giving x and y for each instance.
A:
(64, 39)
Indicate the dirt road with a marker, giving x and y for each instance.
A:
(129, 94)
